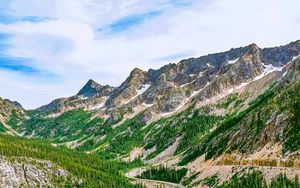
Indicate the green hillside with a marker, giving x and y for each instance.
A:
(90, 170)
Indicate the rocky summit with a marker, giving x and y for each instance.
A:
(92, 88)
(169, 88)
(208, 121)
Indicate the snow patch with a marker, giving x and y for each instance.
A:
(201, 74)
(54, 115)
(139, 92)
(233, 61)
(147, 105)
(284, 74)
(267, 70)
(208, 65)
(143, 89)
(270, 68)
(183, 85)
(295, 57)
(83, 98)
(194, 93)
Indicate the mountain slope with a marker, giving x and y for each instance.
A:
(36, 162)
(165, 90)
(160, 93)
(12, 115)
(215, 114)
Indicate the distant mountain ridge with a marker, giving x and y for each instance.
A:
(165, 89)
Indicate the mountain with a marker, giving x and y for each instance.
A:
(12, 115)
(92, 88)
(92, 96)
(14, 103)
(173, 85)
(35, 163)
(203, 119)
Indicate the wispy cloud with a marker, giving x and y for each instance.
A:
(181, 3)
(9, 19)
(4, 42)
(22, 66)
(126, 23)
(61, 37)
(175, 57)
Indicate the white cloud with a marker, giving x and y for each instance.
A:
(71, 47)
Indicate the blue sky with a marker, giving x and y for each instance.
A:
(50, 48)
(128, 22)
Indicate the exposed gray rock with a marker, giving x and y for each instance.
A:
(174, 84)
(29, 173)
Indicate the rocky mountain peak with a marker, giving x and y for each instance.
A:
(252, 49)
(136, 71)
(173, 85)
(136, 77)
(92, 82)
(92, 88)
(130, 88)
(253, 46)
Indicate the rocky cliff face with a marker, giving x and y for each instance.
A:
(30, 173)
(201, 78)
(169, 88)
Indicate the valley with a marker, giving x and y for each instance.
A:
(221, 120)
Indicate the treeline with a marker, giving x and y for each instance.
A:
(164, 174)
(93, 171)
(256, 180)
